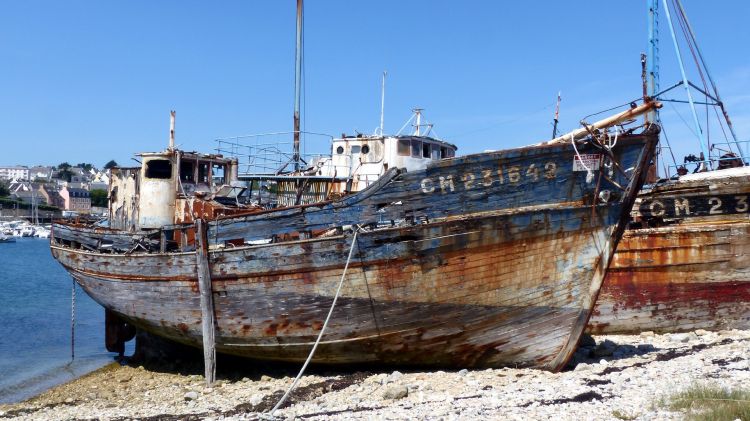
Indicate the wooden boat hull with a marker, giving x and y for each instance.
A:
(692, 274)
(483, 270)
(465, 308)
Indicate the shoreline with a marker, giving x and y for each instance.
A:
(28, 387)
(619, 376)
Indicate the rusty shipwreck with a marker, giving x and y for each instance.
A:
(483, 260)
(683, 264)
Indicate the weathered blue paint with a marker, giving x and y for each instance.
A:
(379, 203)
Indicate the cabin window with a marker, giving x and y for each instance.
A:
(356, 149)
(365, 149)
(451, 153)
(404, 147)
(203, 172)
(426, 150)
(435, 152)
(217, 173)
(187, 172)
(443, 153)
(416, 148)
(340, 150)
(159, 168)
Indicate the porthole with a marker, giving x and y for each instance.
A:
(365, 149)
(340, 150)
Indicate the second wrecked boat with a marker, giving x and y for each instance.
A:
(686, 266)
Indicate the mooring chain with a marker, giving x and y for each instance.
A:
(73, 320)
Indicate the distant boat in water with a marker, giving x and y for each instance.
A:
(6, 239)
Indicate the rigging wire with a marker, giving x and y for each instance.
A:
(688, 125)
(501, 123)
(693, 45)
(681, 22)
(627, 104)
(671, 152)
(713, 84)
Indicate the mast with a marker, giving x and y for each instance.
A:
(171, 129)
(557, 115)
(698, 129)
(418, 117)
(297, 85)
(652, 61)
(382, 102)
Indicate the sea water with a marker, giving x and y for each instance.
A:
(35, 323)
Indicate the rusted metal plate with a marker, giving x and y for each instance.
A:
(486, 260)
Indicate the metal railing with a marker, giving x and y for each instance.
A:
(726, 157)
(268, 153)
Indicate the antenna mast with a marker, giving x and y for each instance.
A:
(382, 102)
(652, 60)
(297, 83)
(557, 114)
(171, 129)
(418, 116)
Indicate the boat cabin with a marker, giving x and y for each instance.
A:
(355, 162)
(163, 191)
(363, 159)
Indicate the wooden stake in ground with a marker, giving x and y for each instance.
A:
(207, 300)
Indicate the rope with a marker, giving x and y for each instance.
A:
(322, 330)
(589, 173)
(73, 321)
(614, 143)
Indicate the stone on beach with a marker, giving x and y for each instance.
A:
(395, 392)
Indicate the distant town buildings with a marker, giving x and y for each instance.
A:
(40, 173)
(14, 173)
(67, 187)
(51, 196)
(76, 199)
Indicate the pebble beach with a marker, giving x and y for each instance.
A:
(610, 377)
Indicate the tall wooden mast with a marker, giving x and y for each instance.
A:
(297, 85)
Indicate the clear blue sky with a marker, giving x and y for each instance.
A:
(90, 81)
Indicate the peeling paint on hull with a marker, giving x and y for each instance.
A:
(675, 279)
(463, 309)
(691, 274)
